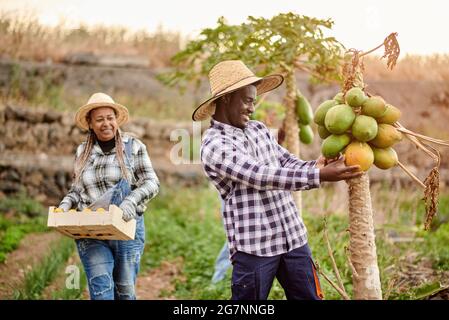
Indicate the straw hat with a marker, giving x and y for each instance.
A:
(98, 100)
(228, 76)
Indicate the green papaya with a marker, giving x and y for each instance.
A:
(391, 115)
(385, 158)
(305, 134)
(303, 110)
(321, 111)
(339, 98)
(355, 97)
(387, 135)
(334, 144)
(323, 133)
(364, 128)
(339, 119)
(374, 107)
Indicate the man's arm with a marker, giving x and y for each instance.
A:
(226, 160)
(287, 159)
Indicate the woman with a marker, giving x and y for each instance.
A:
(110, 168)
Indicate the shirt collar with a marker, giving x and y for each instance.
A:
(97, 147)
(226, 127)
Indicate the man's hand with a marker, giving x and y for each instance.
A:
(337, 170)
(322, 161)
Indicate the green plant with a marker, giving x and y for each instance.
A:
(13, 233)
(21, 203)
(42, 275)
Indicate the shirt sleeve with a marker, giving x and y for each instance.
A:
(287, 159)
(147, 181)
(223, 158)
(73, 197)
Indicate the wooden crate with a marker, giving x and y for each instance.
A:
(107, 225)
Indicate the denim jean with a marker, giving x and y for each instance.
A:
(253, 276)
(111, 266)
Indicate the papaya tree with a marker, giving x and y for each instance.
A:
(364, 127)
(283, 44)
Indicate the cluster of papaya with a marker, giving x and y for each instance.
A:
(305, 117)
(359, 126)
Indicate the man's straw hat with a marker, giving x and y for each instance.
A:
(228, 76)
(98, 100)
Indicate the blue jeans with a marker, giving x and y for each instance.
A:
(253, 276)
(111, 266)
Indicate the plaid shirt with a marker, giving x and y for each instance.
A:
(102, 172)
(255, 176)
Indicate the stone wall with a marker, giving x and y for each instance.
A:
(37, 150)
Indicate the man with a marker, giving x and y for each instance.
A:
(255, 176)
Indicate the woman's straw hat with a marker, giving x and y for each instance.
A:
(229, 76)
(98, 100)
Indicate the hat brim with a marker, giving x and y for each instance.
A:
(122, 114)
(268, 83)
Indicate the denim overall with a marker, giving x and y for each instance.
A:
(111, 266)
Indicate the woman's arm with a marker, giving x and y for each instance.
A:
(147, 183)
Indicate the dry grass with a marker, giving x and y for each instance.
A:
(23, 37)
(410, 67)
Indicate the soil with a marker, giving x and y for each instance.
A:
(158, 283)
(32, 249)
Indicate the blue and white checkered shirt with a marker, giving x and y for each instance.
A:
(255, 176)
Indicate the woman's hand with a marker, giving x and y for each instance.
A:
(129, 211)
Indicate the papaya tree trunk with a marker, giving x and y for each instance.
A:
(362, 245)
(291, 126)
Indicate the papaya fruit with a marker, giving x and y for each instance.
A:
(391, 115)
(339, 98)
(305, 134)
(323, 133)
(303, 110)
(374, 107)
(364, 128)
(334, 144)
(359, 153)
(321, 111)
(339, 119)
(385, 158)
(387, 135)
(355, 97)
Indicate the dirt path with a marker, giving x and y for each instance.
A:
(32, 249)
(157, 284)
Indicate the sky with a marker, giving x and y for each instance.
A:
(362, 24)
